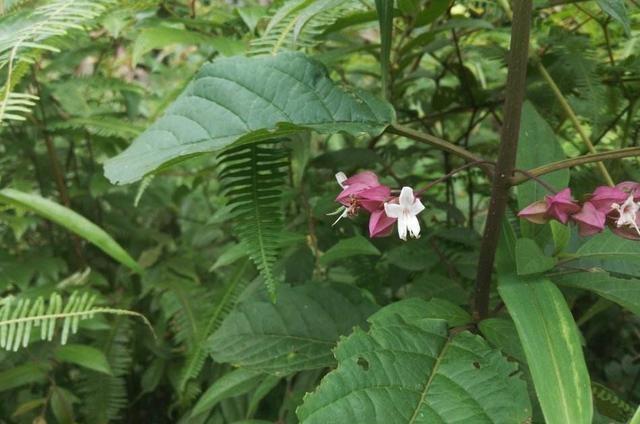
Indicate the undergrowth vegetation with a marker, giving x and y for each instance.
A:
(319, 211)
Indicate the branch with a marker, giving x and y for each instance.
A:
(515, 93)
(437, 142)
(581, 160)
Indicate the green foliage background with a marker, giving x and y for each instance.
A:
(212, 287)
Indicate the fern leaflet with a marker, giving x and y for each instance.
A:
(253, 177)
(18, 318)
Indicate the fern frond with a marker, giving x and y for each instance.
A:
(29, 32)
(197, 355)
(105, 396)
(253, 177)
(299, 24)
(18, 317)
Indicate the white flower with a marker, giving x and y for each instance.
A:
(628, 212)
(406, 212)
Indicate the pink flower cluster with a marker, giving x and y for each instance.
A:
(616, 207)
(364, 191)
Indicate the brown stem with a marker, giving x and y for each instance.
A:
(436, 142)
(515, 93)
(580, 160)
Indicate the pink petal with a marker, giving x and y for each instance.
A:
(373, 198)
(380, 225)
(561, 206)
(630, 187)
(590, 220)
(535, 212)
(366, 178)
(603, 197)
(352, 190)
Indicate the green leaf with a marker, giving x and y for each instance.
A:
(234, 383)
(384, 8)
(429, 285)
(551, 343)
(530, 259)
(84, 356)
(157, 37)
(432, 11)
(636, 417)
(609, 252)
(296, 333)
(617, 9)
(62, 405)
(414, 308)
(561, 235)
(537, 145)
(502, 333)
(249, 99)
(348, 248)
(72, 221)
(22, 375)
(411, 370)
(624, 292)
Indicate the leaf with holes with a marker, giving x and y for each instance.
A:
(296, 333)
(413, 371)
(249, 99)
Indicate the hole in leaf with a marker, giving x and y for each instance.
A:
(476, 364)
(363, 363)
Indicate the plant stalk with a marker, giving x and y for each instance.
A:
(515, 94)
(580, 160)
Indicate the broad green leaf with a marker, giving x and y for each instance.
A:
(296, 333)
(530, 259)
(537, 145)
(72, 221)
(617, 9)
(624, 292)
(84, 356)
(636, 417)
(62, 405)
(249, 99)
(551, 343)
(415, 256)
(234, 383)
(22, 375)
(561, 235)
(609, 252)
(502, 333)
(433, 10)
(414, 308)
(429, 285)
(347, 248)
(413, 371)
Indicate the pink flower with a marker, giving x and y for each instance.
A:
(535, 212)
(630, 187)
(627, 220)
(590, 219)
(361, 190)
(604, 197)
(560, 206)
(380, 225)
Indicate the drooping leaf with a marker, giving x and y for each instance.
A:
(624, 292)
(85, 356)
(551, 343)
(72, 221)
(609, 252)
(249, 99)
(296, 333)
(347, 248)
(22, 375)
(413, 371)
(233, 383)
(530, 259)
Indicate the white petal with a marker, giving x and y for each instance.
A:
(414, 226)
(406, 197)
(417, 207)
(392, 210)
(341, 177)
(402, 227)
